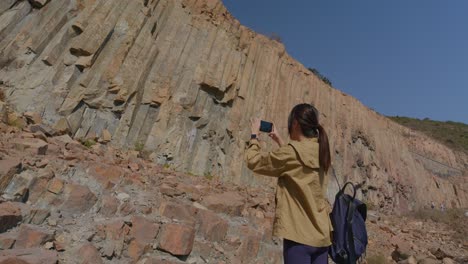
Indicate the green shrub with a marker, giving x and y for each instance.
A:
(452, 134)
(18, 123)
(208, 176)
(88, 143)
(139, 146)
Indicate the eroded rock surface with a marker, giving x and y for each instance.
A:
(180, 79)
(93, 206)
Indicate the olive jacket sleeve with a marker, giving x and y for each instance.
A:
(267, 163)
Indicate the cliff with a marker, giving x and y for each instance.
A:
(181, 79)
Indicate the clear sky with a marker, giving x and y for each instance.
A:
(399, 57)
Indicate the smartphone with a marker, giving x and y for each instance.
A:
(266, 127)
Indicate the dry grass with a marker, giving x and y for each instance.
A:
(454, 218)
(376, 259)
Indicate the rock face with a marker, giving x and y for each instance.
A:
(93, 206)
(181, 78)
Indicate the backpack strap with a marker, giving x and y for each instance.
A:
(336, 178)
(349, 223)
(354, 189)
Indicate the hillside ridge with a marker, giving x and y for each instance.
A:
(452, 134)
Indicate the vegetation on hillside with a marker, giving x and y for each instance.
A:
(275, 36)
(320, 76)
(452, 134)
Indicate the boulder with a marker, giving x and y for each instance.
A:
(8, 168)
(136, 249)
(230, 203)
(88, 254)
(18, 189)
(63, 140)
(55, 186)
(115, 230)
(84, 62)
(79, 199)
(109, 205)
(397, 255)
(28, 256)
(178, 211)
(38, 3)
(123, 197)
(10, 216)
(126, 208)
(169, 190)
(7, 240)
(143, 230)
(250, 245)
(211, 226)
(38, 216)
(448, 261)
(42, 163)
(410, 260)
(429, 261)
(106, 174)
(440, 253)
(61, 126)
(34, 145)
(30, 236)
(160, 261)
(177, 239)
(106, 136)
(33, 117)
(46, 130)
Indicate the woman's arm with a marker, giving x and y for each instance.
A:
(276, 137)
(266, 163)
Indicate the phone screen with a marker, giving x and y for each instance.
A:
(266, 126)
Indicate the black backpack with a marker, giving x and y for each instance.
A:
(348, 217)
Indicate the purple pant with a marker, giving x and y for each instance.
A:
(296, 253)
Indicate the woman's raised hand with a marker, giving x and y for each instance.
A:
(275, 136)
(255, 125)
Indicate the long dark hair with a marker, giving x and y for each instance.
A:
(308, 118)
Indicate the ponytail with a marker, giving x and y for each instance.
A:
(324, 149)
(308, 118)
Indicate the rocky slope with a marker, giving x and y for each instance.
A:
(63, 202)
(181, 79)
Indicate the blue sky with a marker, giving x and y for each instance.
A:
(399, 57)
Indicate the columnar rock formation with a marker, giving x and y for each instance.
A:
(181, 79)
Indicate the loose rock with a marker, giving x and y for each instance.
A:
(30, 236)
(10, 216)
(230, 203)
(177, 239)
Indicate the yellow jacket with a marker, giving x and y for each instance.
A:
(302, 212)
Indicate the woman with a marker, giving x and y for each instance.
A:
(302, 213)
